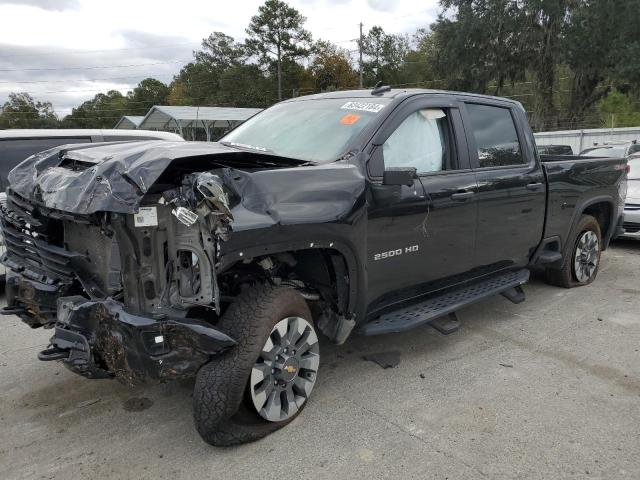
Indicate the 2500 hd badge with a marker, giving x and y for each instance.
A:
(395, 253)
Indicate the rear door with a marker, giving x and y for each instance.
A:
(511, 185)
(425, 232)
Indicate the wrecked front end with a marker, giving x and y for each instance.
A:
(132, 253)
(126, 294)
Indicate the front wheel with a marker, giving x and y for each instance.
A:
(581, 266)
(265, 381)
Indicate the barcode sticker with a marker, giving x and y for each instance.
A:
(363, 106)
(146, 217)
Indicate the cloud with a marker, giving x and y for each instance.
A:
(382, 5)
(54, 5)
(68, 77)
(70, 50)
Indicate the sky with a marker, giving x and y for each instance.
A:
(66, 51)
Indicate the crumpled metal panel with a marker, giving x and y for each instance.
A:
(115, 177)
(289, 196)
(104, 177)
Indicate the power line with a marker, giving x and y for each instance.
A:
(92, 68)
(85, 52)
(78, 79)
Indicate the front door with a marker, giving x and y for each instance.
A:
(420, 236)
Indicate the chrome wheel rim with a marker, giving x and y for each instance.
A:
(586, 257)
(285, 373)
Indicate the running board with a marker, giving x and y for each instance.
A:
(508, 284)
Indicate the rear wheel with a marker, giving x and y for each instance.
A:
(581, 266)
(265, 381)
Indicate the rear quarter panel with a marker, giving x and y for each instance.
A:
(575, 183)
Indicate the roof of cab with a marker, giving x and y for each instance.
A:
(397, 93)
(86, 132)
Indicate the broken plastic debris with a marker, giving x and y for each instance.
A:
(210, 187)
(384, 359)
(185, 215)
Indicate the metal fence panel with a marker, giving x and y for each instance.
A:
(581, 139)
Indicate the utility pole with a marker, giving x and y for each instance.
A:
(360, 48)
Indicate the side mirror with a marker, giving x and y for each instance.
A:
(399, 176)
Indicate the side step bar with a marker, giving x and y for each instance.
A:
(508, 284)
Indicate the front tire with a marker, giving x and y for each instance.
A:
(264, 382)
(582, 262)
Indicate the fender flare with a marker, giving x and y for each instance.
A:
(578, 211)
(355, 265)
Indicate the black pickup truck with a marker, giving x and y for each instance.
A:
(369, 211)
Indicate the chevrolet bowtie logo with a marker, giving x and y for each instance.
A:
(290, 369)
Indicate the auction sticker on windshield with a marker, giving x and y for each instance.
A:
(349, 119)
(363, 106)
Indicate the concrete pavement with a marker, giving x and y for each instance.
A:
(546, 389)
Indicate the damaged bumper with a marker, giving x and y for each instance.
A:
(99, 339)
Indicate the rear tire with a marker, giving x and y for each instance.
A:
(582, 259)
(224, 409)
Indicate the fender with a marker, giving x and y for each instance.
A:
(579, 210)
(355, 265)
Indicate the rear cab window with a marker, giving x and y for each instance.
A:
(496, 137)
(604, 152)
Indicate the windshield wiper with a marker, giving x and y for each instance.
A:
(245, 146)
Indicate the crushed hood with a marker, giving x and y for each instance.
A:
(88, 178)
(266, 190)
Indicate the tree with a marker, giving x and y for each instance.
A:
(220, 51)
(244, 86)
(102, 111)
(277, 33)
(545, 22)
(148, 93)
(23, 111)
(601, 51)
(178, 94)
(617, 110)
(474, 43)
(385, 55)
(331, 67)
(199, 81)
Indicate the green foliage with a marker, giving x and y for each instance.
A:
(475, 43)
(102, 111)
(619, 110)
(148, 93)
(244, 86)
(22, 111)
(220, 52)
(277, 32)
(331, 68)
(384, 56)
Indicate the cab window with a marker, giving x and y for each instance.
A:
(423, 141)
(496, 138)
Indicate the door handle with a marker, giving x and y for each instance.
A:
(534, 186)
(462, 195)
